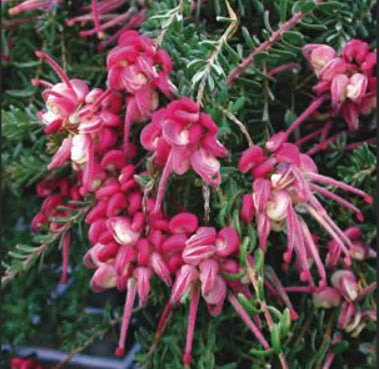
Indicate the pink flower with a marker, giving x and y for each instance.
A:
(345, 78)
(346, 282)
(181, 137)
(291, 183)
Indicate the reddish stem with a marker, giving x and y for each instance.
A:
(296, 18)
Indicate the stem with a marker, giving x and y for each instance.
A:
(264, 47)
(215, 54)
(239, 124)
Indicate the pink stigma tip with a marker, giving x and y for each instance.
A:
(187, 359)
(119, 351)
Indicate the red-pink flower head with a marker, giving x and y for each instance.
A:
(284, 180)
(182, 137)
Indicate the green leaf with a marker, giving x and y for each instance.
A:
(293, 37)
(285, 323)
(258, 352)
(275, 338)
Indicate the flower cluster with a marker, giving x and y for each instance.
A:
(345, 292)
(284, 186)
(138, 69)
(358, 250)
(132, 239)
(349, 78)
(183, 137)
(102, 15)
(19, 363)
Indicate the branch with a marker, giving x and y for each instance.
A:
(240, 125)
(215, 54)
(292, 22)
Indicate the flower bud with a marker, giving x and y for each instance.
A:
(208, 273)
(143, 252)
(143, 277)
(276, 141)
(206, 166)
(160, 268)
(196, 254)
(38, 221)
(247, 209)
(346, 282)
(339, 89)
(250, 158)
(357, 87)
(355, 51)
(227, 242)
(124, 257)
(203, 236)
(113, 159)
(97, 212)
(103, 278)
(174, 243)
(62, 155)
(184, 279)
(186, 223)
(318, 55)
(120, 227)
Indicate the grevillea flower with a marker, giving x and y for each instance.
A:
(358, 250)
(128, 251)
(284, 186)
(29, 5)
(347, 294)
(208, 256)
(90, 120)
(349, 79)
(181, 138)
(136, 67)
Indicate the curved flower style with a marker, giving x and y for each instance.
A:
(136, 67)
(349, 79)
(182, 137)
(284, 186)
